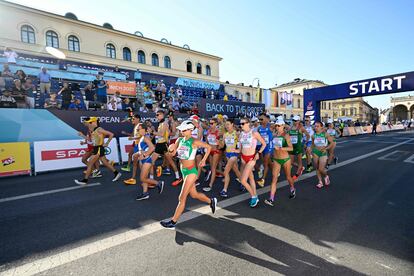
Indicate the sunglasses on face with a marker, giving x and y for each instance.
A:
(243, 123)
(279, 125)
(260, 120)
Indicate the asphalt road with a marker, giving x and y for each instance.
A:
(362, 224)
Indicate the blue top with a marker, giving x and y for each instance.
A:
(74, 106)
(267, 135)
(101, 90)
(137, 75)
(44, 77)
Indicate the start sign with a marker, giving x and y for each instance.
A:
(378, 85)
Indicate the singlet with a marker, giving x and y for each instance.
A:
(195, 132)
(247, 141)
(267, 135)
(310, 130)
(162, 139)
(176, 135)
(295, 138)
(213, 137)
(96, 137)
(331, 132)
(320, 140)
(185, 149)
(230, 139)
(142, 146)
(136, 134)
(279, 141)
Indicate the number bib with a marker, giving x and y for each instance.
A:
(294, 139)
(229, 141)
(320, 141)
(212, 140)
(183, 152)
(278, 142)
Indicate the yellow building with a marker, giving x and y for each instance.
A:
(355, 108)
(27, 30)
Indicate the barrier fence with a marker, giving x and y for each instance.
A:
(352, 131)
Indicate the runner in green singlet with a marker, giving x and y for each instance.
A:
(296, 133)
(321, 143)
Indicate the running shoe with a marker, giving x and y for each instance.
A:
(292, 194)
(319, 185)
(213, 204)
(269, 202)
(207, 178)
(167, 171)
(197, 183)
(160, 186)
(260, 172)
(117, 175)
(81, 182)
(327, 180)
(335, 160)
(207, 189)
(254, 201)
(238, 180)
(130, 181)
(309, 169)
(177, 182)
(96, 174)
(168, 224)
(242, 188)
(126, 169)
(159, 171)
(143, 196)
(224, 194)
(261, 182)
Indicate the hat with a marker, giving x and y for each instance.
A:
(296, 118)
(280, 122)
(194, 117)
(185, 125)
(254, 119)
(91, 120)
(330, 121)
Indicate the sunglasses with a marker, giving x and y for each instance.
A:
(158, 115)
(278, 125)
(260, 119)
(243, 123)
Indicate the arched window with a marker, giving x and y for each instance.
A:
(208, 70)
(73, 44)
(126, 53)
(141, 57)
(167, 62)
(189, 66)
(154, 60)
(329, 106)
(110, 51)
(27, 34)
(52, 39)
(198, 68)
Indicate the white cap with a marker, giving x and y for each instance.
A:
(280, 117)
(330, 121)
(187, 124)
(279, 121)
(225, 117)
(296, 118)
(254, 119)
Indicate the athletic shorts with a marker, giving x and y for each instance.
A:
(89, 148)
(187, 171)
(231, 154)
(98, 150)
(146, 160)
(267, 150)
(319, 153)
(161, 148)
(308, 144)
(281, 161)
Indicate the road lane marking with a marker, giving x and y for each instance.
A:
(410, 159)
(393, 156)
(7, 199)
(49, 262)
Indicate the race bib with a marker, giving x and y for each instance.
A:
(294, 139)
(246, 143)
(266, 138)
(183, 152)
(278, 142)
(229, 141)
(320, 141)
(212, 140)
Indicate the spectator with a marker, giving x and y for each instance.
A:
(143, 109)
(225, 98)
(44, 80)
(171, 92)
(137, 76)
(52, 102)
(89, 93)
(179, 93)
(29, 87)
(10, 55)
(6, 100)
(163, 104)
(6, 72)
(112, 105)
(117, 99)
(102, 96)
(357, 123)
(148, 99)
(77, 105)
(67, 95)
(175, 104)
(117, 69)
(126, 104)
(21, 76)
(19, 94)
(194, 110)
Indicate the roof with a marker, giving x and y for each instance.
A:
(298, 81)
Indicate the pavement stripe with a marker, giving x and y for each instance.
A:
(47, 192)
(74, 254)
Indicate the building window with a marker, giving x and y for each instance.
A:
(298, 103)
(343, 112)
(329, 106)
(189, 66)
(167, 62)
(27, 34)
(208, 70)
(155, 61)
(126, 53)
(73, 44)
(110, 51)
(141, 57)
(52, 39)
(198, 68)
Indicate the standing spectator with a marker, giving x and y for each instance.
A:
(89, 93)
(44, 80)
(148, 99)
(111, 105)
(175, 104)
(6, 100)
(126, 104)
(6, 72)
(77, 105)
(137, 76)
(52, 102)
(179, 93)
(21, 76)
(194, 110)
(10, 55)
(117, 69)
(374, 128)
(29, 87)
(67, 95)
(19, 94)
(171, 92)
(102, 96)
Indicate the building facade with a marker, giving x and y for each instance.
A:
(355, 109)
(402, 108)
(27, 30)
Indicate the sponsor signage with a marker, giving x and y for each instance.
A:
(15, 159)
(125, 88)
(197, 84)
(232, 109)
(125, 146)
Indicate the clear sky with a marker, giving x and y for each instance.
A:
(276, 41)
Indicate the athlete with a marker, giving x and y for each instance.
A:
(213, 137)
(266, 133)
(321, 144)
(197, 133)
(308, 144)
(296, 132)
(88, 152)
(282, 145)
(98, 153)
(333, 132)
(186, 147)
(247, 147)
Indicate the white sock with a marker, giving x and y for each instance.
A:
(177, 175)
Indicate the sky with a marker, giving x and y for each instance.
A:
(275, 41)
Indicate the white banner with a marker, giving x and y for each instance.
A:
(65, 154)
(125, 146)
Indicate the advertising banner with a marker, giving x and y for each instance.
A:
(125, 146)
(209, 108)
(65, 154)
(197, 84)
(14, 159)
(125, 88)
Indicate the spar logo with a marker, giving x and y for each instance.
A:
(48, 155)
(107, 150)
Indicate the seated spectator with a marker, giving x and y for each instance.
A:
(175, 104)
(117, 99)
(172, 92)
(10, 55)
(52, 102)
(101, 93)
(179, 93)
(163, 104)
(6, 73)
(67, 95)
(148, 100)
(143, 109)
(29, 87)
(20, 75)
(89, 93)
(6, 100)
(126, 104)
(19, 94)
(112, 105)
(77, 105)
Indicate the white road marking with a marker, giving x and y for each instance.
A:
(74, 254)
(393, 156)
(385, 266)
(410, 159)
(341, 142)
(47, 192)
